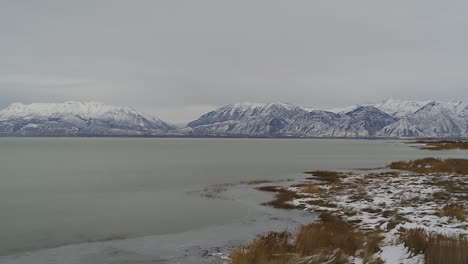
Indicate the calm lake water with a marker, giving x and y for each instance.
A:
(57, 191)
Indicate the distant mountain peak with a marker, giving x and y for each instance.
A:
(242, 111)
(77, 118)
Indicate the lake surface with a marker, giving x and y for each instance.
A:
(59, 191)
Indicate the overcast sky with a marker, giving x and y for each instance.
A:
(178, 59)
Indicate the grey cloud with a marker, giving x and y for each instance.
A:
(186, 54)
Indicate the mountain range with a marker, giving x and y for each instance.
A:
(388, 119)
(78, 119)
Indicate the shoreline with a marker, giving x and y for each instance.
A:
(206, 245)
(383, 211)
(240, 137)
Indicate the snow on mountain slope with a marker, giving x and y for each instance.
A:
(241, 111)
(365, 121)
(394, 107)
(77, 118)
(435, 119)
(314, 124)
(390, 118)
(400, 108)
(246, 119)
(344, 110)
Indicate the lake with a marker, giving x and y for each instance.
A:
(60, 191)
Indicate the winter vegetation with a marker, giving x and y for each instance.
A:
(410, 212)
(441, 144)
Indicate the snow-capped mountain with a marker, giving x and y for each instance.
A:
(252, 119)
(316, 123)
(344, 110)
(394, 107)
(400, 108)
(365, 121)
(77, 119)
(390, 118)
(279, 119)
(435, 119)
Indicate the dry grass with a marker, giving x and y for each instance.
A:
(371, 247)
(333, 240)
(270, 248)
(436, 248)
(433, 165)
(310, 188)
(282, 198)
(257, 182)
(452, 187)
(270, 188)
(442, 195)
(454, 211)
(442, 145)
(372, 210)
(360, 194)
(330, 241)
(322, 203)
(384, 174)
(332, 177)
(329, 235)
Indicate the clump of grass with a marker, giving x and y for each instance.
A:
(332, 177)
(330, 241)
(452, 186)
(442, 145)
(454, 211)
(310, 188)
(372, 210)
(371, 247)
(270, 248)
(282, 198)
(270, 188)
(441, 195)
(322, 203)
(395, 220)
(360, 195)
(257, 182)
(433, 165)
(331, 234)
(436, 248)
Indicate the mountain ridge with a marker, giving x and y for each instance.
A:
(73, 118)
(391, 118)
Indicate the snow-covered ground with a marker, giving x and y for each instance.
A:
(389, 202)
